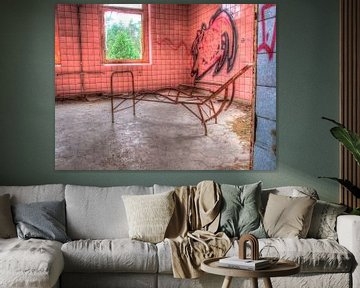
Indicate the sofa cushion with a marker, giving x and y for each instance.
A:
(98, 213)
(313, 255)
(287, 216)
(109, 280)
(117, 255)
(43, 220)
(240, 212)
(164, 257)
(36, 193)
(149, 215)
(290, 191)
(323, 222)
(163, 188)
(30, 263)
(7, 226)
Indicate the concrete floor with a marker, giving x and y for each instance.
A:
(159, 137)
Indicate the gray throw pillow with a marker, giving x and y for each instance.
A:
(240, 213)
(7, 227)
(44, 220)
(323, 222)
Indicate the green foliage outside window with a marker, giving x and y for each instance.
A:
(123, 40)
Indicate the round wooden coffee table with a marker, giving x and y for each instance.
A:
(281, 268)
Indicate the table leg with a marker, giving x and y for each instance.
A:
(254, 282)
(227, 282)
(267, 283)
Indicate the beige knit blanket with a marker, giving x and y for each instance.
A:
(191, 231)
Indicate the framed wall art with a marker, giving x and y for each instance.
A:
(165, 86)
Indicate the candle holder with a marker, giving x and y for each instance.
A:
(254, 246)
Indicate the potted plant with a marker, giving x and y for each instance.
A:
(351, 141)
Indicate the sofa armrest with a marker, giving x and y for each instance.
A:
(348, 230)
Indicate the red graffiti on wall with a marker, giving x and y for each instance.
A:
(268, 41)
(171, 44)
(214, 45)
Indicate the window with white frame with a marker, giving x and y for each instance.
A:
(124, 33)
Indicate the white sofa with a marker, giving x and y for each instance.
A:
(101, 254)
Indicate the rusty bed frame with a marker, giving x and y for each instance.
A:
(185, 95)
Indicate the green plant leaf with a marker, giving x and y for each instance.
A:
(347, 184)
(333, 121)
(355, 211)
(348, 138)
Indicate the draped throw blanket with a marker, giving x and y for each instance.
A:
(191, 231)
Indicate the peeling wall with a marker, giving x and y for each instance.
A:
(265, 143)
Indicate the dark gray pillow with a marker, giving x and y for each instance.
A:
(44, 220)
(7, 227)
(240, 213)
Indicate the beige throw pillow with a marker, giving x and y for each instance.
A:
(288, 217)
(148, 215)
(7, 226)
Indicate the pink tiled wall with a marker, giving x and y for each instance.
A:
(169, 60)
(172, 31)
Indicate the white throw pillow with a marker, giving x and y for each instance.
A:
(149, 215)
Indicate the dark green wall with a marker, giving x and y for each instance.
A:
(307, 38)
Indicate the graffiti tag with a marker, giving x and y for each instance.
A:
(268, 41)
(214, 45)
(171, 44)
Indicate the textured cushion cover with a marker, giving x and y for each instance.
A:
(287, 216)
(314, 280)
(163, 188)
(44, 220)
(98, 212)
(109, 280)
(240, 213)
(7, 226)
(117, 255)
(313, 255)
(149, 215)
(291, 191)
(348, 228)
(33, 263)
(164, 257)
(34, 193)
(323, 223)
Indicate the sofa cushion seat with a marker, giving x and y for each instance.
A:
(98, 212)
(313, 255)
(30, 263)
(110, 255)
